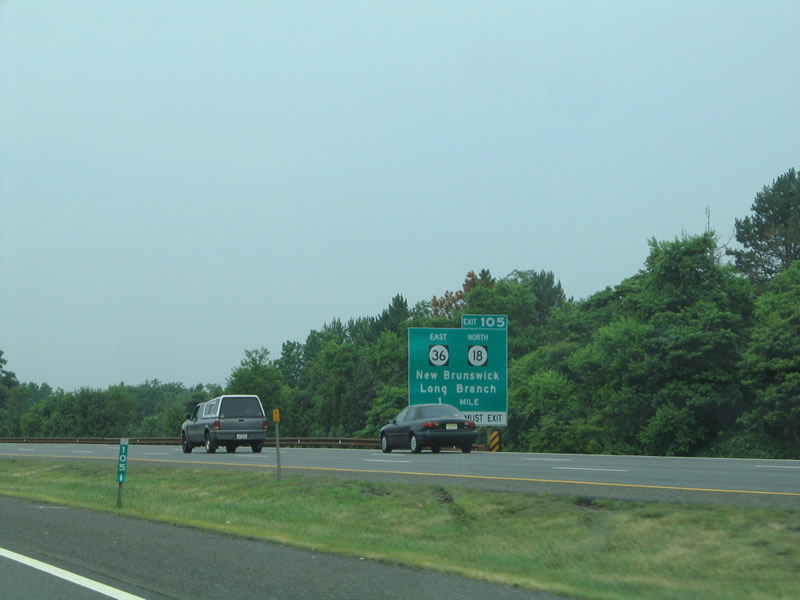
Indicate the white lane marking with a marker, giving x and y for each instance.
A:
(24, 450)
(83, 451)
(773, 467)
(553, 459)
(157, 453)
(96, 586)
(385, 460)
(588, 469)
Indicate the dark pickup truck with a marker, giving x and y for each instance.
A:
(230, 421)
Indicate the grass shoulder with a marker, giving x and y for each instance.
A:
(579, 547)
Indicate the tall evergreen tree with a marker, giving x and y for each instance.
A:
(771, 236)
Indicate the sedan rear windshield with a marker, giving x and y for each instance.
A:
(440, 410)
(241, 407)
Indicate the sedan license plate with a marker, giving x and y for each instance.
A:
(241, 436)
(452, 426)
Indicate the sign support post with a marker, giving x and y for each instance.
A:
(276, 416)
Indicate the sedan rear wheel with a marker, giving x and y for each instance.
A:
(467, 448)
(386, 447)
(416, 447)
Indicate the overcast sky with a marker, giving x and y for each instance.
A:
(181, 181)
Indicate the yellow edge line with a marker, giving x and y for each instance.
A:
(484, 477)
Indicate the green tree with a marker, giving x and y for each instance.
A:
(526, 297)
(343, 388)
(8, 381)
(109, 413)
(543, 408)
(393, 317)
(671, 431)
(617, 375)
(290, 364)
(771, 364)
(63, 417)
(38, 392)
(680, 273)
(451, 304)
(167, 422)
(388, 363)
(85, 413)
(256, 375)
(517, 301)
(577, 322)
(659, 373)
(699, 349)
(171, 418)
(389, 401)
(771, 236)
(700, 311)
(389, 359)
(544, 287)
(298, 414)
(32, 422)
(153, 396)
(422, 315)
(150, 426)
(18, 403)
(334, 331)
(5, 424)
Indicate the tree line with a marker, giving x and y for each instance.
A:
(697, 354)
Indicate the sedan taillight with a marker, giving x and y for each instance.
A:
(470, 424)
(430, 425)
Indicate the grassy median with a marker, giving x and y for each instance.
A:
(576, 547)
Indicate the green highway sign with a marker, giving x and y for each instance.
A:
(467, 368)
(484, 322)
(122, 464)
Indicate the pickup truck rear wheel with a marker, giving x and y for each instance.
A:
(211, 447)
(231, 448)
(257, 446)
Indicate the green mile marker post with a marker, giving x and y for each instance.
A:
(122, 467)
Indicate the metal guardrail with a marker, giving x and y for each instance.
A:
(292, 442)
(286, 442)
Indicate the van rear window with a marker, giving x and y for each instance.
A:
(241, 407)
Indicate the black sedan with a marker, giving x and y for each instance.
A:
(431, 425)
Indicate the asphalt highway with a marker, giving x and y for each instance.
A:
(637, 478)
(57, 552)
